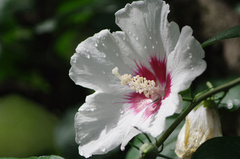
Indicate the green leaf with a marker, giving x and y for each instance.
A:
(41, 157)
(219, 148)
(226, 34)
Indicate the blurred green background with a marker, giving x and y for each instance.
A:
(38, 100)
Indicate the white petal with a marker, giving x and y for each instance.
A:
(156, 124)
(94, 60)
(146, 27)
(103, 123)
(186, 61)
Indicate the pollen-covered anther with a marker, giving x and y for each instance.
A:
(140, 84)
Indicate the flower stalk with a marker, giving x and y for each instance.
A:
(194, 103)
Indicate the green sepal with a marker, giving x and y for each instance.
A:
(149, 151)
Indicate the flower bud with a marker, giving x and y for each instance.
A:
(200, 125)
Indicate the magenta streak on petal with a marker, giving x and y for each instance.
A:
(168, 86)
(153, 108)
(140, 101)
(144, 72)
(159, 68)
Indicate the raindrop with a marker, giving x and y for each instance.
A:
(136, 38)
(145, 47)
(104, 38)
(96, 44)
(156, 42)
(124, 38)
(104, 72)
(152, 47)
(113, 125)
(230, 104)
(191, 67)
(103, 45)
(74, 60)
(122, 111)
(190, 55)
(92, 109)
(103, 149)
(150, 37)
(129, 33)
(188, 48)
(88, 56)
(117, 54)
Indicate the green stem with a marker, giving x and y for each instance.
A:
(194, 103)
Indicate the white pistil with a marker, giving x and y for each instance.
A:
(140, 84)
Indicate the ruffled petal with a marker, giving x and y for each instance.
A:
(103, 123)
(186, 62)
(94, 60)
(146, 26)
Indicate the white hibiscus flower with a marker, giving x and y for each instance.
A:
(155, 62)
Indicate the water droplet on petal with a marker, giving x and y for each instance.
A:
(124, 38)
(88, 56)
(190, 55)
(96, 45)
(117, 54)
(129, 33)
(104, 72)
(136, 38)
(122, 111)
(113, 125)
(191, 67)
(188, 48)
(150, 37)
(156, 42)
(103, 45)
(145, 47)
(74, 60)
(153, 47)
(103, 149)
(92, 109)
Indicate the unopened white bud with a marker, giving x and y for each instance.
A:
(200, 125)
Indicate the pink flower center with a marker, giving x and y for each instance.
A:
(162, 80)
(151, 87)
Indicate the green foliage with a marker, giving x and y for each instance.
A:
(226, 34)
(26, 128)
(41, 157)
(219, 148)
